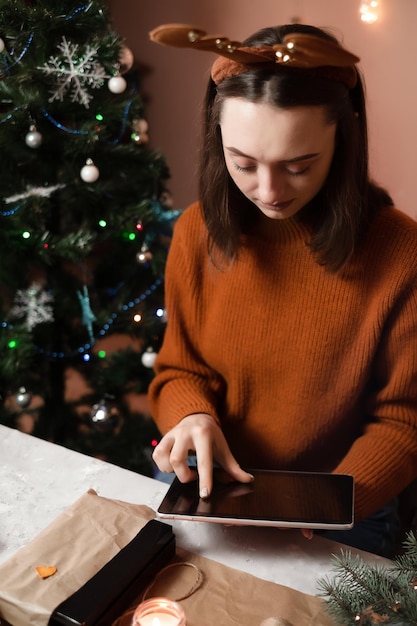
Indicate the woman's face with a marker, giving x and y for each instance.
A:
(278, 158)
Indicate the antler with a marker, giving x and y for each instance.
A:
(297, 50)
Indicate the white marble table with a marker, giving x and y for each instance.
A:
(38, 480)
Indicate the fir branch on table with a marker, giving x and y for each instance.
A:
(366, 594)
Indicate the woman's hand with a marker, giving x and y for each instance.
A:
(198, 432)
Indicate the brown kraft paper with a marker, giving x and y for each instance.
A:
(91, 531)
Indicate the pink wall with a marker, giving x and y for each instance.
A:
(176, 80)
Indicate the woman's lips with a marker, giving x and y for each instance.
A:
(277, 206)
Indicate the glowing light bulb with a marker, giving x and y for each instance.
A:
(369, 11)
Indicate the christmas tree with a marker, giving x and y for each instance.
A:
(366, 594)
(85, 227)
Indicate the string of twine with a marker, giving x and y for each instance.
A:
(199, 578)
(196, 584)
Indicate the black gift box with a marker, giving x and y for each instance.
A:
(112, 590)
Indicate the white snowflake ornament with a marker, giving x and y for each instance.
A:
(75, 72)
(34, 304)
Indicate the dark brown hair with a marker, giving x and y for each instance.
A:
(348, 199)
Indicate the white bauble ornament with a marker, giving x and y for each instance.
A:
(89, 173)
(148, 358)
(33, 139)
(117, 84)
(2, 46)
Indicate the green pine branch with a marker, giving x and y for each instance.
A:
(366, 594)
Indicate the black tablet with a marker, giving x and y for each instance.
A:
(275, 498)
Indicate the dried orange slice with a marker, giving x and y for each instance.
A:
(45, 571)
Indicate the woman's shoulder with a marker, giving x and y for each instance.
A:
(394, 229)
(391, 242)
(190, 219)
(190, 226)
(191, 215)
(403, 224)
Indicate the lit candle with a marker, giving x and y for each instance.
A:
(158, 619)
(159, 612)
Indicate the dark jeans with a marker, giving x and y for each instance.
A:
(379, 533)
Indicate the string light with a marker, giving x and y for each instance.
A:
(85, 349)
(369, 11)
(84, 7)
(6, 67)
(10, 212)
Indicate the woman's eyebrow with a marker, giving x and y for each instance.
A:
(303, 157)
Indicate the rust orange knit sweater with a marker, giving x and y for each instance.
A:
(304, 369)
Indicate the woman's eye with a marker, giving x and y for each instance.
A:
(305, 170)
(240, 168)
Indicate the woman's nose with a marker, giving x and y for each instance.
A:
(271, 186)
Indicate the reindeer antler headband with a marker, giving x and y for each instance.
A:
(298, 50)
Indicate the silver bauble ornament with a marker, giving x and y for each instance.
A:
(144, 255)
(126, 59)
(105, 416)
(23, 397)
(140, 131)
(100, 412)
(33, 139)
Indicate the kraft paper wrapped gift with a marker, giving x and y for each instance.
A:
(228, 597)
(78, 543)
(92, 531)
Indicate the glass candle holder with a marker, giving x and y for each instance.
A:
(159, 612)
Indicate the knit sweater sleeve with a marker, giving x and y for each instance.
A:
(383, 459)
(184, 383)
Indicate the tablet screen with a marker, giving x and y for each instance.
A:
(275, 498)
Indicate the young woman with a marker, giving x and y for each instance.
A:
(291, 286)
